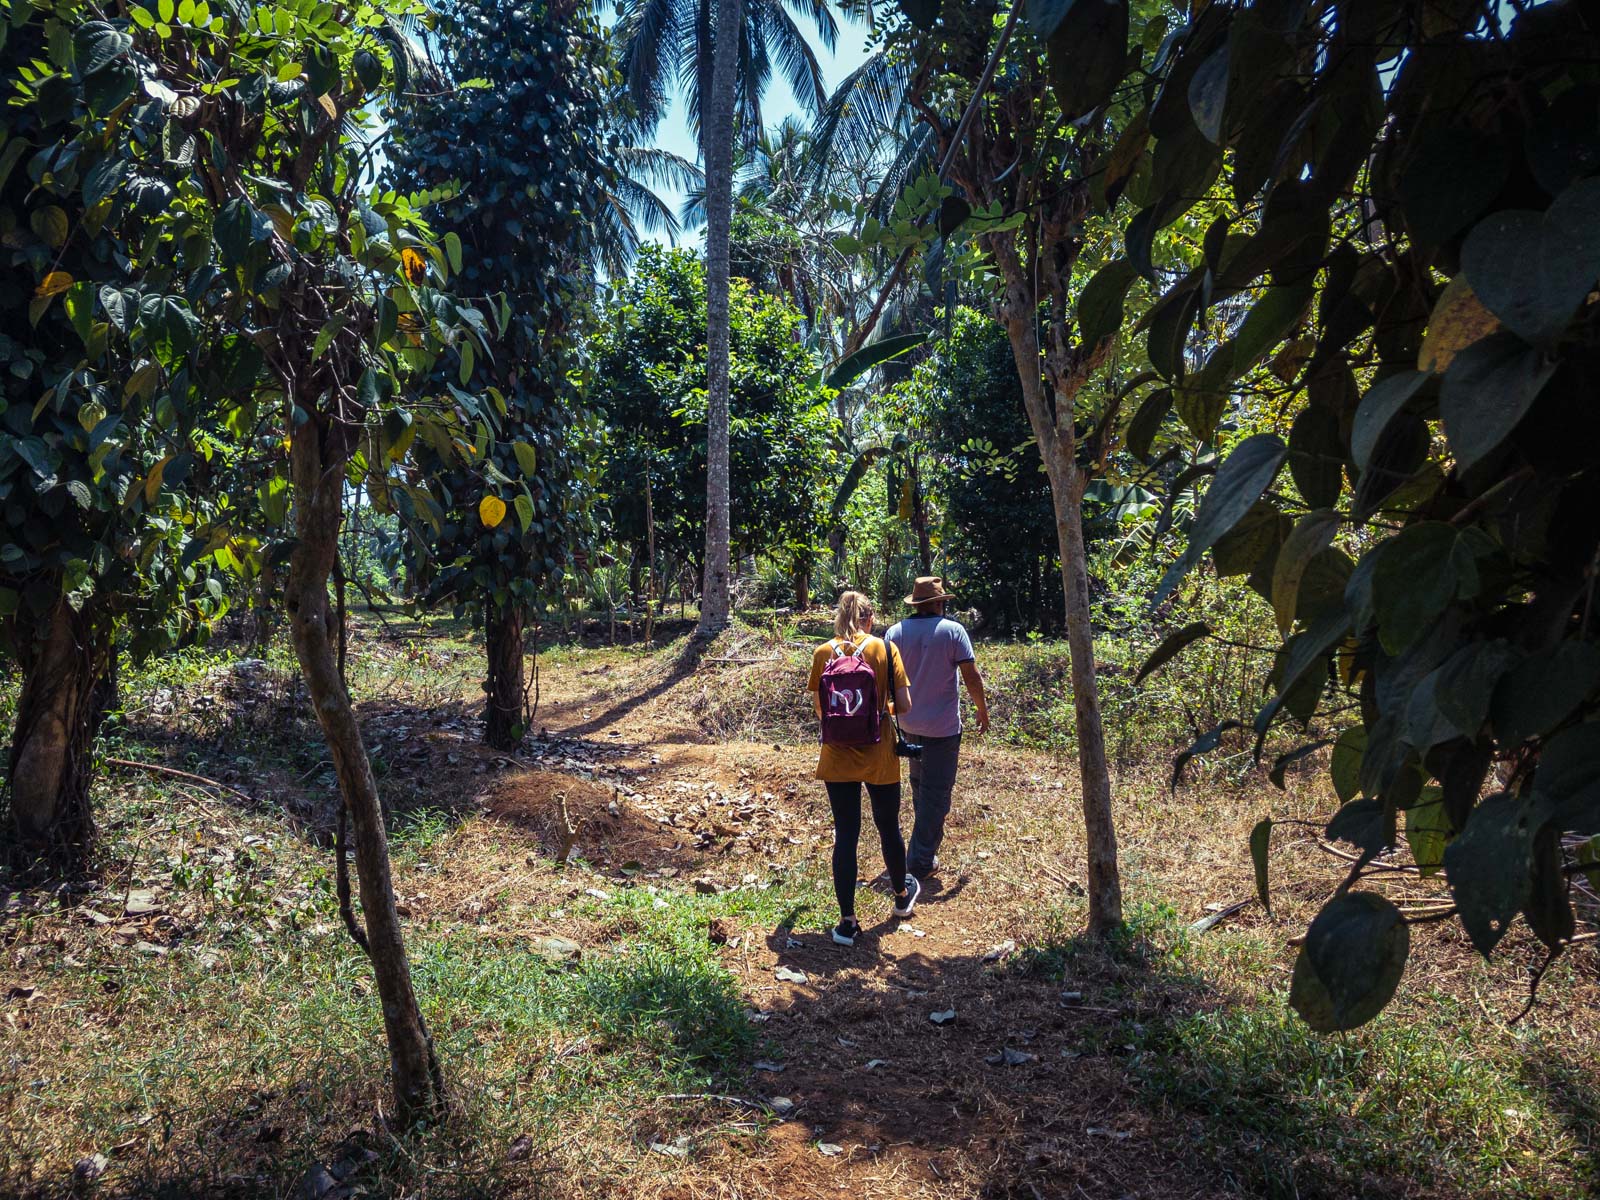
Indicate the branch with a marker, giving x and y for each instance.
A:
(177, 774)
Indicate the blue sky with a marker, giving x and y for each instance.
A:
(778, 103)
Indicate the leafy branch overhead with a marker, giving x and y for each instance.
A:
(1414, 248)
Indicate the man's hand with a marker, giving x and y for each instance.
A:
(982, 723)
(980, 699)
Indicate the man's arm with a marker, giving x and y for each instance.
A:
(974, 682)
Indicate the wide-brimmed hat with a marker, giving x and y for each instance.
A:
(928, 587)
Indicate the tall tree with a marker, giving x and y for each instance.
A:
(511, 517)
(722, 78)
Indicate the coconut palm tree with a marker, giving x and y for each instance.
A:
(677, 46)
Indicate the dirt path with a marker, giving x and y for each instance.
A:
(1024, 1092)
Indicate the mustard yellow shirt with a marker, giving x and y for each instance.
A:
(861, 764)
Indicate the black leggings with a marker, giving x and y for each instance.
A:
(845, 800)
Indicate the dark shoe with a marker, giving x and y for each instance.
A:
(904, 905)
(924, 872)
(846, 932)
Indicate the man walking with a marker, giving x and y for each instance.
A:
(934, 651)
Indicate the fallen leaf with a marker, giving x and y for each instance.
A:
(785, 975)
(89, 1168)
(874, 1064)
(829, 1148)
(519, 1149)
(942, 1018)
(25, 994)
(141, 902)
(781, 1105)
(677, 1148)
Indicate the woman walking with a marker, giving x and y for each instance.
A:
(852, 680)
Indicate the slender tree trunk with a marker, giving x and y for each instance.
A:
(650, 564)
(505, 684)
(317, 459)
(65, 659)
(1054, 432)
(802, 583)
(714, 592)
(919, 517)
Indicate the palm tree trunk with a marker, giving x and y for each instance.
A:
(714, 597)
(1057, 446)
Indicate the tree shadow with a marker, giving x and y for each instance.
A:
(682, 666)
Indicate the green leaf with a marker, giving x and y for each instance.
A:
(524, 507)
(327, 333)
(527, 459)
(1428, 831)
(1240, 482)
(1351, 963)
(1087, 54)
(1260, 844)
(1532, 270)
(850, 368)
(1283, 762)
(1170, 646)
(1487, 390)
(1310, 536)
(97, 44)
(1467, 681)
(1543, 690)
(1316, 456)
(1345, 767)
(50, 223)
(1413, 579)
(1100, 305)
(102, 179)
(1204, 744)
(1208, 94)
(1364, 824)
(273, 497)
(468, 361)
(452, 249)
(1146, 423)
(1489, 866)
(1378, 408)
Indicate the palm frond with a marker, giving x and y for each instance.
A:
(794, 55)
(649, 35)
(855, 122)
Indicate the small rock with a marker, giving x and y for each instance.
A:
(86, 1169)
(781, 1106)
(942, 1018)
(875, 1063)
(597, 893)
(830, 1149)
(316, 1184)
(141, 902)
(557, 949)
(705, 887)
(678, 1147)
(519, 1149)
(763, 1065)
(1009, 1058)
(719, 931)
(995, 953)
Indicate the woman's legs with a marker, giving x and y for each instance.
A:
(886, 816)
(845, 800)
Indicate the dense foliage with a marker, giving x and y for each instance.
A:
(649, 386)
(1411, 209)
(502, 529)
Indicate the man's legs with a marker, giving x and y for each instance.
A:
(933, 775)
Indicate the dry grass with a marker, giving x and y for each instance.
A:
(227, 1043)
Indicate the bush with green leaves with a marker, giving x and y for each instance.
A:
(649, 387)
(1415, 200)
(501, 527)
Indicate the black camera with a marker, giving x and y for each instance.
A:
(905, 749)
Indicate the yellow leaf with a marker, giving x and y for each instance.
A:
(1458, 320)
(327, 107)
(491, 511)
(416, 266)
(152, 482)
(53, 284)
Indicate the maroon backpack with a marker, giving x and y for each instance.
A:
(851, 714)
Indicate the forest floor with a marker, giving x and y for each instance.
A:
(666, 1016)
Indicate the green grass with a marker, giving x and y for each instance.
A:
(1429, 1091)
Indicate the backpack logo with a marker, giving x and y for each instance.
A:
(851, 714)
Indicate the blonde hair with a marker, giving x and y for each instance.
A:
(852, 616)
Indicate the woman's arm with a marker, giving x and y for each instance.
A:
(902, 700)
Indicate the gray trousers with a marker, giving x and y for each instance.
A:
(933, 775)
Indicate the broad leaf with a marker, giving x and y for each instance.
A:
(1352, 961)
(1169, 648)
(1488, 389)
(1240, 481)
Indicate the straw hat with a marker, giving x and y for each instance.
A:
(928, 587)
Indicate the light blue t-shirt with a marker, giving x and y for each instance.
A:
(932, 649)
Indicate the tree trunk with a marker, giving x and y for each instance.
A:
(1053, 430)
(714, 592)
(65, 658)
(505, 685)
(318, 456)
(919, 517)
(802, 583)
